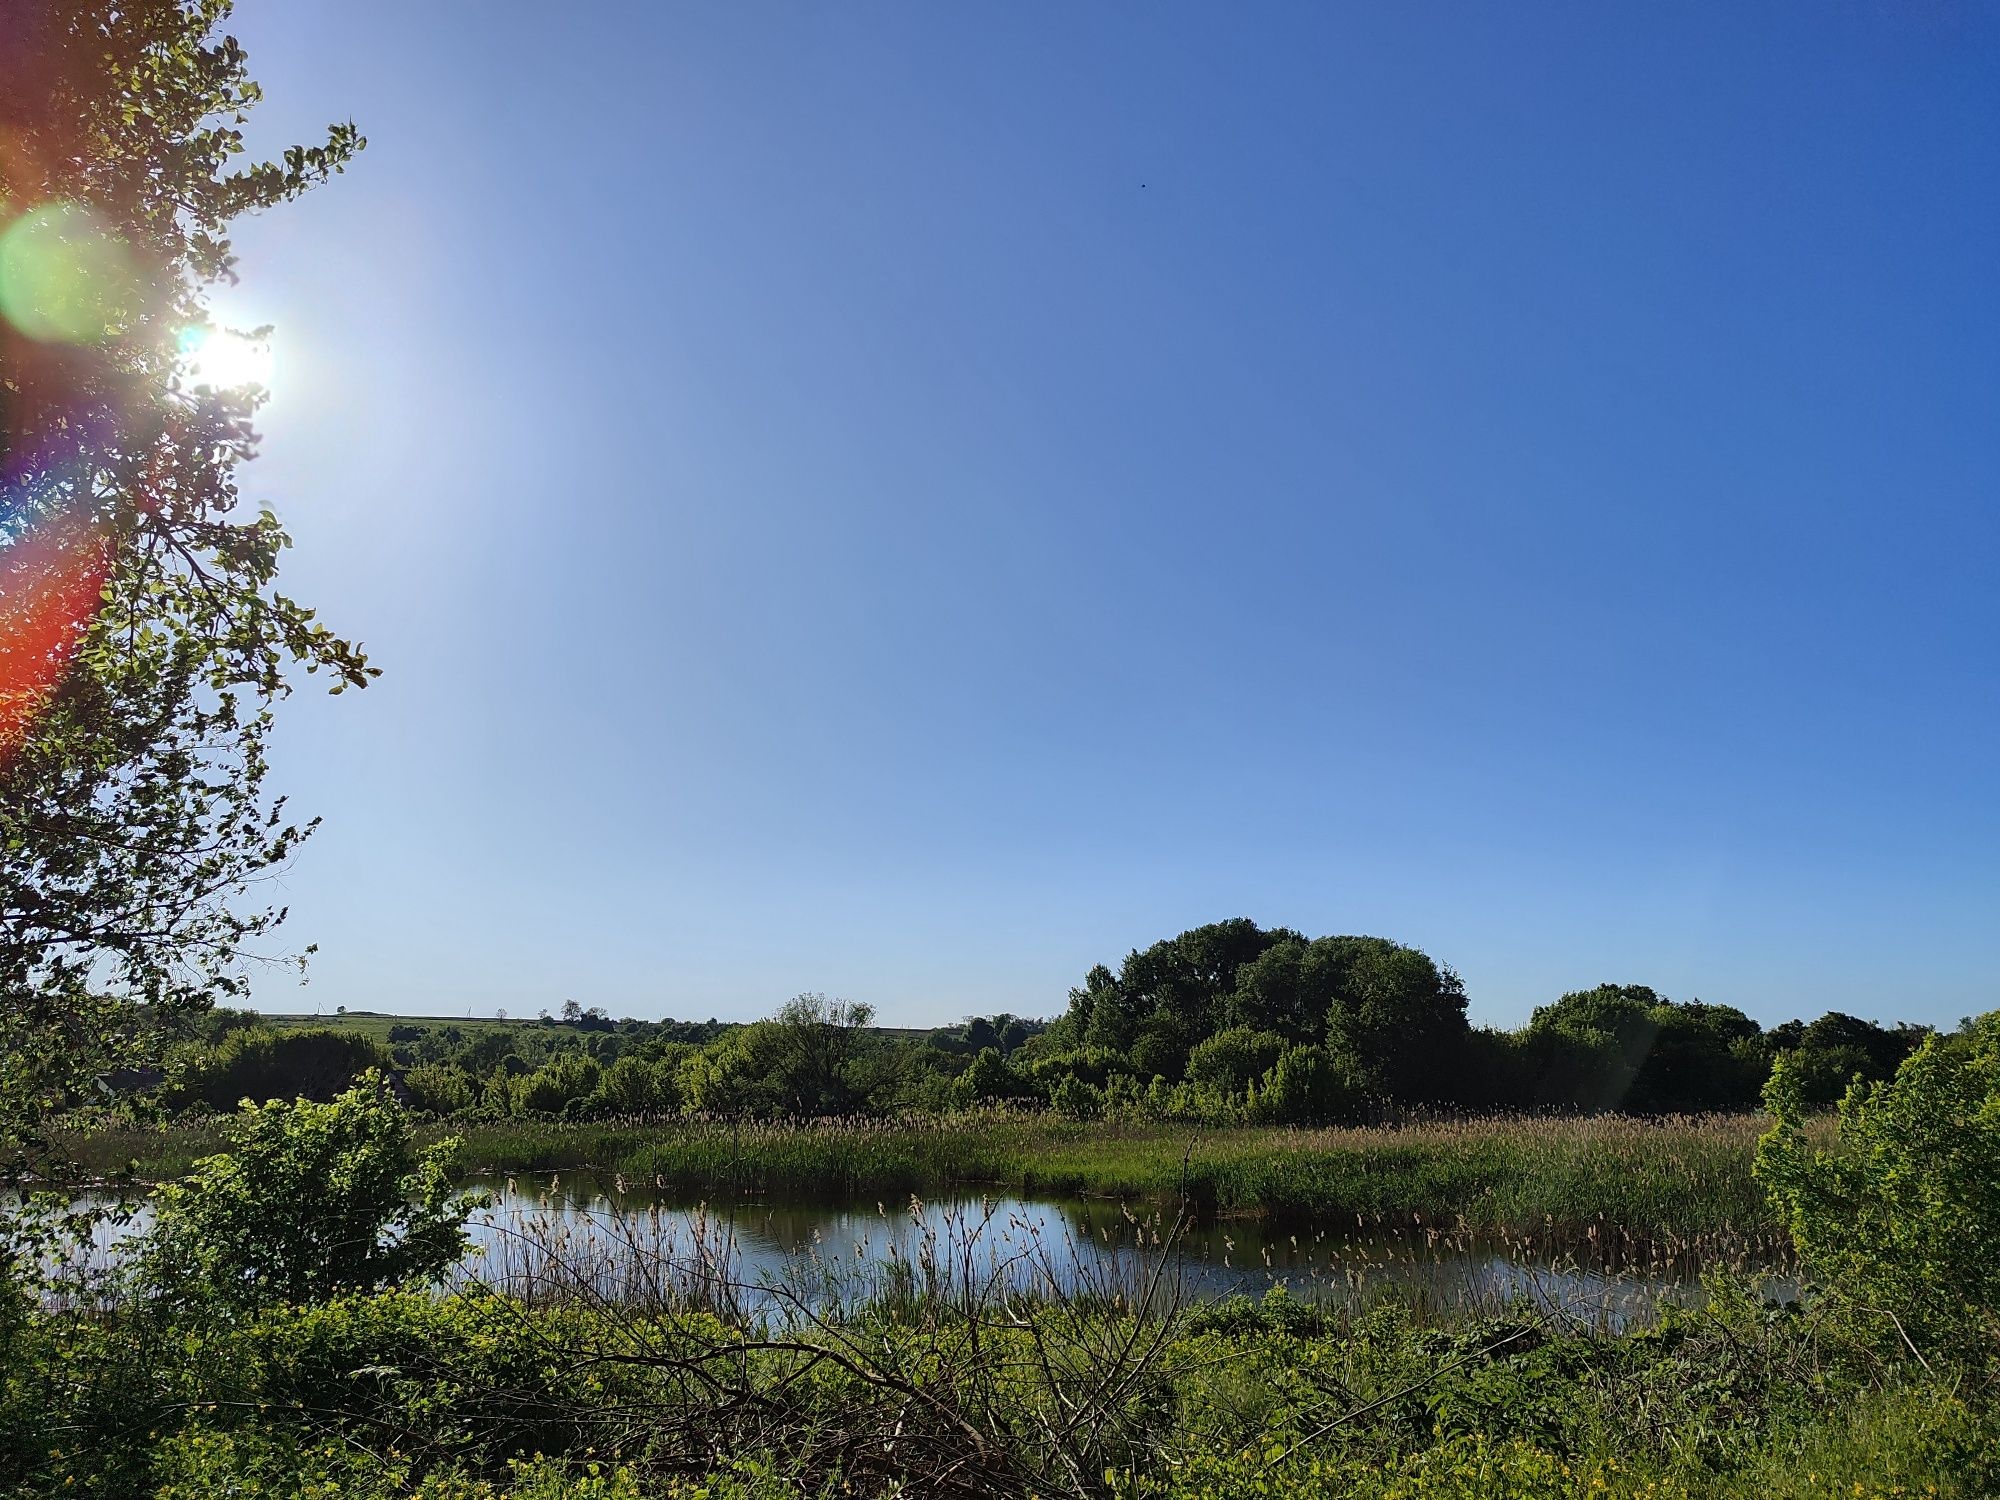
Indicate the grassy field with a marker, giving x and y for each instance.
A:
(1660, 1179)
(376, 1024)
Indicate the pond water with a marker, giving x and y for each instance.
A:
(580, 1236)
(569, 1235)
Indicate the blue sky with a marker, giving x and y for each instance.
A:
(910, 501)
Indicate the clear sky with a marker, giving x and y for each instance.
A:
(910, 501)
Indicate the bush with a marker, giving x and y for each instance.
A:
(988, 1077)
(310, 1200)
(1230, 1061)
(637, 1086)
(1096, 1066)
(442, 1090)
(1077, 1099)
(1305, 1088)
(1900, 1216)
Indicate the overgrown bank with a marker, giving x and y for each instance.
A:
(1660, 1178)
(280, 1330)
(410, 1397)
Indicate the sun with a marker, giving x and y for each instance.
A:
(224, 360)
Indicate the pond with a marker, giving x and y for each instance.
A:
(583, 1235)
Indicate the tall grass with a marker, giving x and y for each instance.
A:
(1673, 1177)
(1608, 1175)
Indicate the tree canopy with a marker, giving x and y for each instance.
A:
(144, 640)
(1382, 1010)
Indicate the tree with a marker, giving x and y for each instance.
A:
(637, 1086)
(143, 639)
(441, 1089)
(1838, 1048)
(1589, 1045)
(1305, 1088)
(310, 1200)
(986, 1078)
(816, 1042)
(258, 1065)
(557, 1084)
(1177, 989)
(1395, 1022)
(1392, 1019)
(1703, 1057)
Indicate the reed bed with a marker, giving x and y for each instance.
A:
(1650, 1179)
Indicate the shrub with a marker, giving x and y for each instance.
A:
(987, 1077)
(441, 1090)
(1900, 1216)
(1305, 1088)
(1077, 1099)
(638, 1086)
(1093, 1065)
(310, 1199)
(556, 1084)
(1230, 1061)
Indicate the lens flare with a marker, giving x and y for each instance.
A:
(51, 583)
(64, 278)
(225, 360)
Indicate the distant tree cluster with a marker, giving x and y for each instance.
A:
(1224, 1023)
(1234, 1021)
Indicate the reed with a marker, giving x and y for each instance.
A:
(1652, 1179)
(1608, 1174)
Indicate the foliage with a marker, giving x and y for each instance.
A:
(989, 1077)
(1233, 1059)
(558, 1084)
(310, 1199)
(1899, 1215)
(257, 1064)
(638, 1086)
(1381, 1008)
(808, 1060)
(815, 1049)
(1215, 1006)
(1391, 1042)
(144, 642)
(471, 1397)
(442, 1090)
(1305, 1086)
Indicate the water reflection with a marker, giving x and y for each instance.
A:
(581, 1236)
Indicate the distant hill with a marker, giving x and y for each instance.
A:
(376, 1024)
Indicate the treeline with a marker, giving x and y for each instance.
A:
(1227, 1023)
(1236, 1020)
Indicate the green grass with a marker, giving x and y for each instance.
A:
(1675, 1178)
(375, 1024)
(1667, 1179)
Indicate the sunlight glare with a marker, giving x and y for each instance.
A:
(225, 360)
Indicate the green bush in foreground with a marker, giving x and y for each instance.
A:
(309, 1200)
(1899, 1217)
(473, 1397)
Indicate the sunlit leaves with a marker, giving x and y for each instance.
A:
(135, 821)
